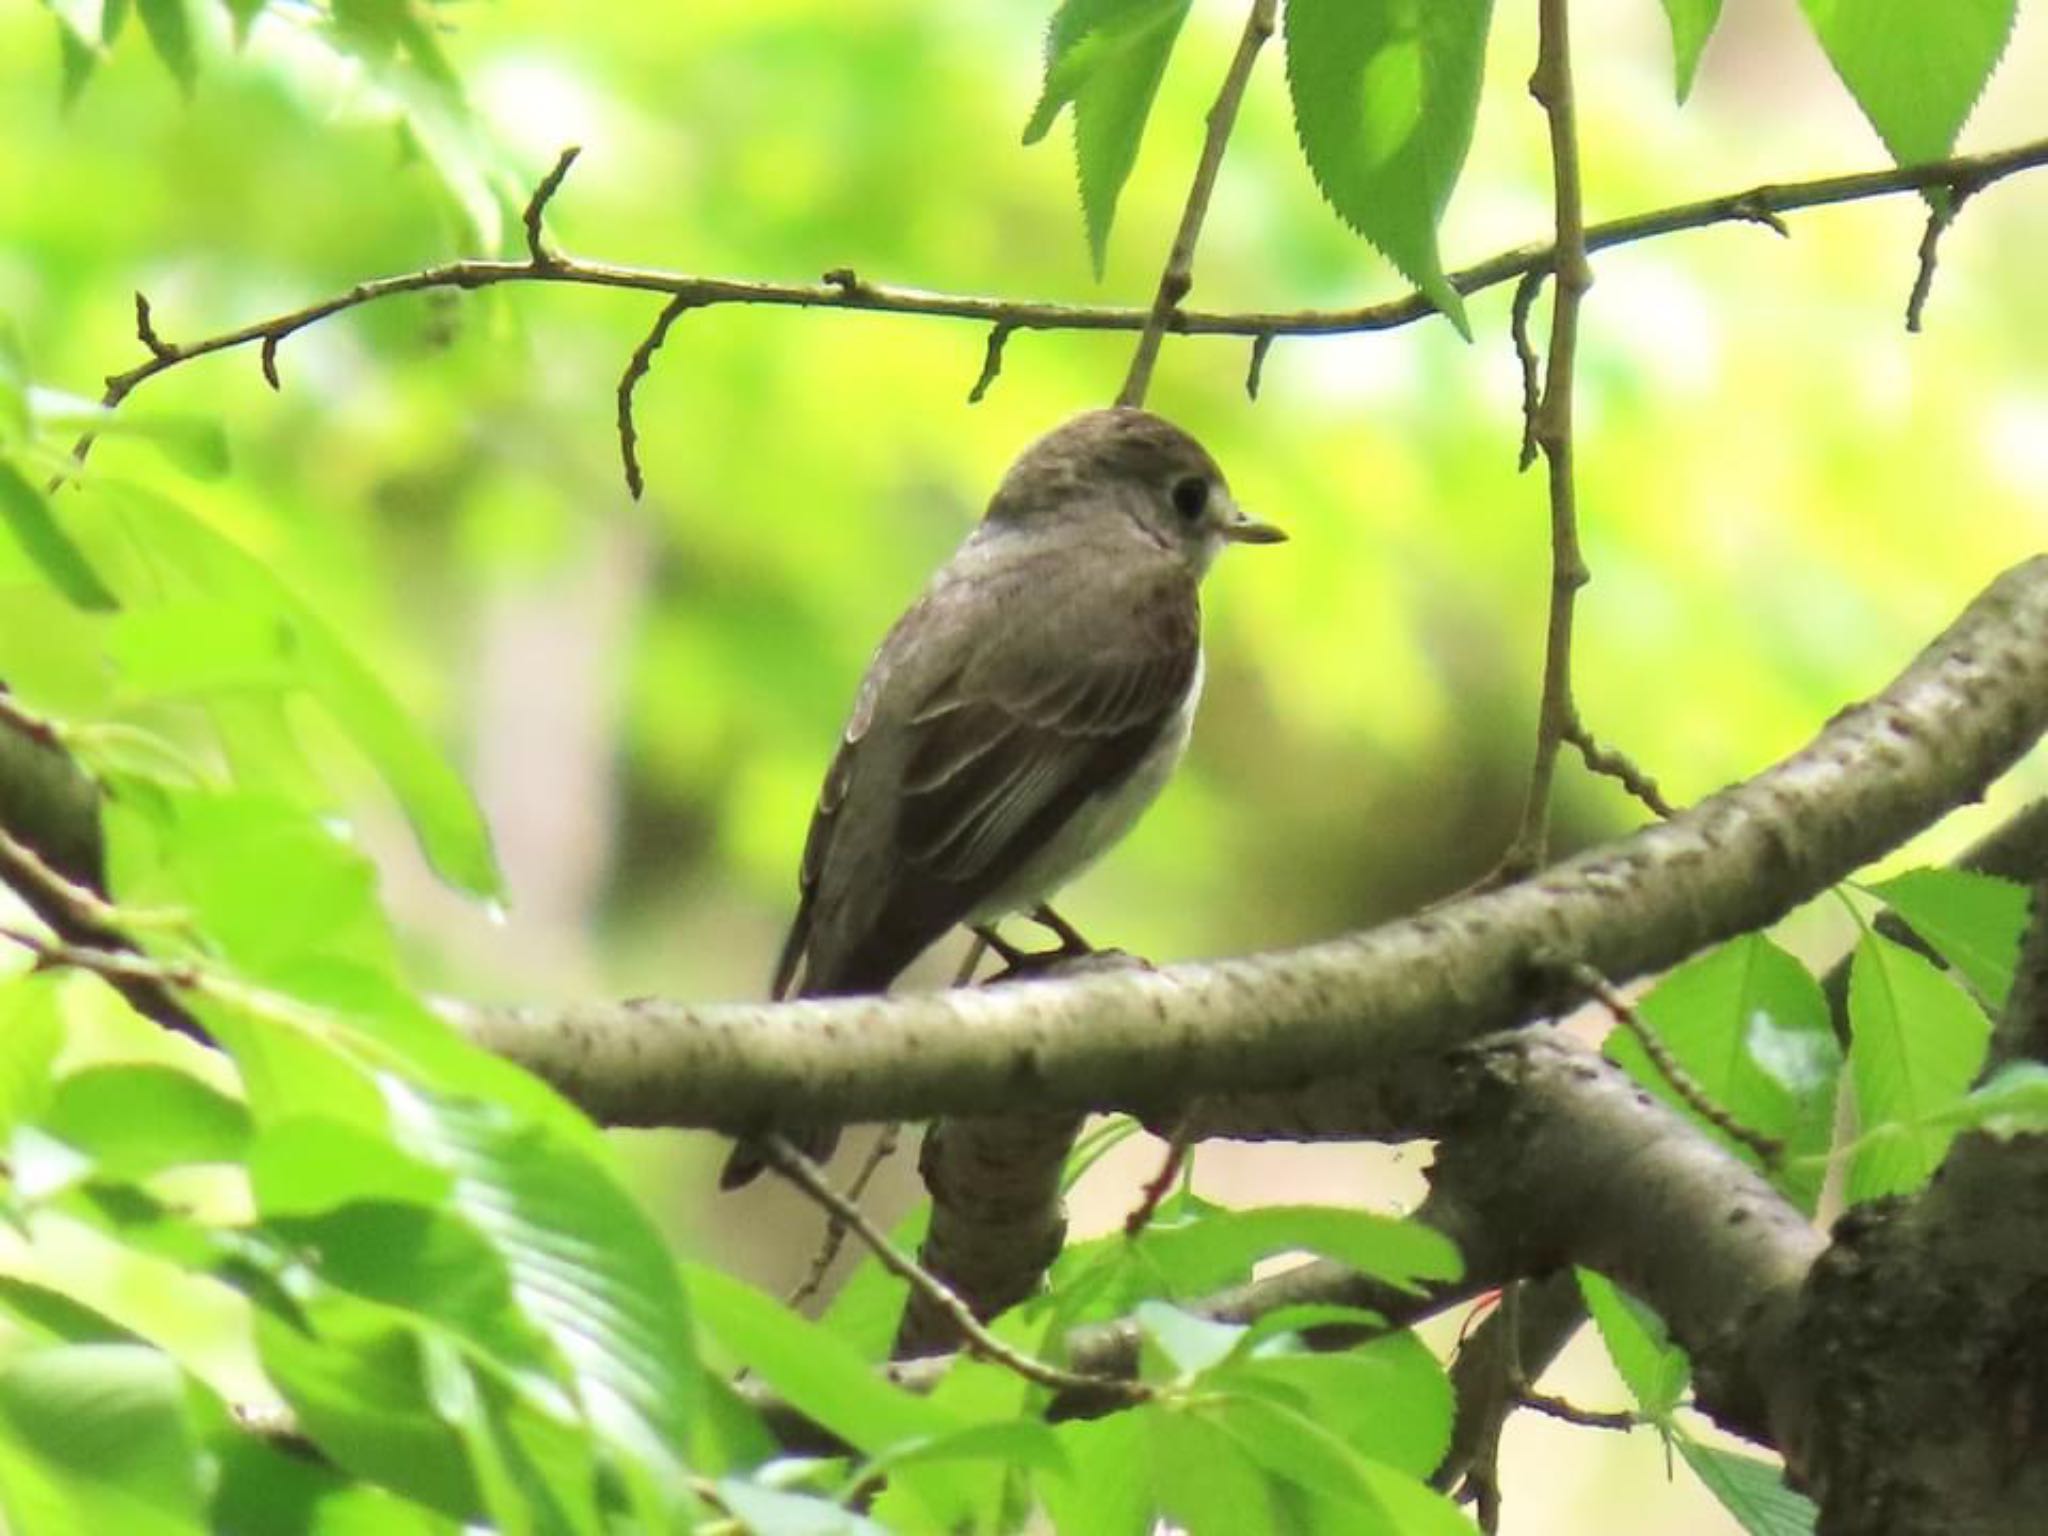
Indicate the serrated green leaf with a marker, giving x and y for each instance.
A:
(1028, 1443)
(1692, 23)
(1915, 69)
(2014, 1102)
(1973, 921)
(61, 561)
(169, 25)
(1916, 1045)
(309, 1163)
(95, 1438)
(1753, 1491)
(134, 1119)
(1189, 1345)
(1106, 59)
(1214, 1246)
(1110, 1492)
(1202, 1478)
(1385, 96)
(1655, 1370)
(820, 1375)
(1387, 1399)
(1750, 1025)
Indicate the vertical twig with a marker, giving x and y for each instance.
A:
(1179, 274)
(1550, 429)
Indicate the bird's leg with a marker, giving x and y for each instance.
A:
(1071, 942)
(1008, 953)
(975, 951)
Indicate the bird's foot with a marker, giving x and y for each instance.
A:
(1071, 942)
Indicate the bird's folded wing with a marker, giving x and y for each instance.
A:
(1005, 749)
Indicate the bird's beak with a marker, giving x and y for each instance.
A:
(1242, 529)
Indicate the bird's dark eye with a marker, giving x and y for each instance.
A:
(1190, 497)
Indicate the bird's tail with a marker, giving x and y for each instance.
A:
(746, 1161)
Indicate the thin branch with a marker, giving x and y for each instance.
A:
(842, 290)
(991, 362)
(1768, 1149)
(536, 207)
(784, 1157)
(1178, 277)
(835, 1229)
(1255, 372)
(1571, 1413)
(1549, 428)
(1526, 292)
(1616, 765)
(1941, 213)
(145, 331)
(629, 381)
(1161, 1183)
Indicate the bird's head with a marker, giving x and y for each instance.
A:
(1124, 465)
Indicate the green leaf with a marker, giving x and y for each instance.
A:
(1753, 1491)
(1105, 58)
(1385, 95)
(263, 1492)
(443, 814)
(1027, 1443)
(1916, 69)
(244, 13)
(62, 562)
(1692, 23)
(1215, 1246)
(1917, 1042)
(2013, 1103)
(1655, 1370)
(1203, 1478)
(1749, 1023)
(774, 1512)
(1973, 921)
(1110, 1492)
(1190, 1345)
(134, 1119)
(31, 1029)
(1387, 1399)
(94, 1438)
(169, 25)
(820, 1375)
(308, 1163)
(586, 1267)
(869, 1305)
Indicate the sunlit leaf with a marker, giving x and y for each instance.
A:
(1753, 1491)
(169, 25)
(1387, 1399)
(1655, 1370)
(2013, 1102)
(1692, 23)
(1915, 69)
(1973, 921)
(1916, 1044)
(61, 561)
(1385, 95)
(1105, 58)
(1750, 1026)
(134, 1119)
(94, 1438)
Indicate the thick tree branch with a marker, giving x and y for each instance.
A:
(1880, 771)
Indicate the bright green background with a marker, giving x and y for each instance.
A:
(1782, 493)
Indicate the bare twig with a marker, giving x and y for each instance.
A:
(1519, 313)
(784, 1157)
(116, 965)
(1161, 1184)
(1178, 277)
(843, 290)
(1571, 1413)
(1767, 1149)
(1941, 213)
(1549, 428)
(991, 362)
(1612, 764)
(536, 207)
(629, 381)
(1256, 372)
(835, 1229)
(145, 331)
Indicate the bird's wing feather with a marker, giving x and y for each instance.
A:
(1006, 748)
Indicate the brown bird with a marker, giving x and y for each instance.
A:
(1021, 715)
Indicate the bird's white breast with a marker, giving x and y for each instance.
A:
(1101, 820)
